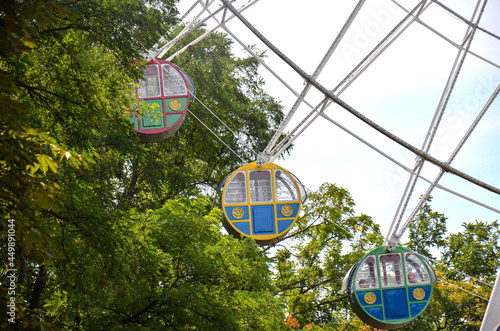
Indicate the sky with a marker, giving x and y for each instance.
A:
(400, 91)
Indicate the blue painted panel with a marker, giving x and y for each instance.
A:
(243, 227)
(229, 213)
(375, 312)
(263, 219)
(416, 308)
(283, 225)
(396, 306)
(295, 207)
(427, 290)
(361, 298)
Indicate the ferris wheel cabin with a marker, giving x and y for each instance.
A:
(387, 290)
(262, 203)
(163, 99)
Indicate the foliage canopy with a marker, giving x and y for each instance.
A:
(114, 234)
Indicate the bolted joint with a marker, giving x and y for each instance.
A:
(262, 159)
(393, 242)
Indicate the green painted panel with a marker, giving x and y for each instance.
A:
(171, 119)
(153, 115)
(175, 104)
(135, 121)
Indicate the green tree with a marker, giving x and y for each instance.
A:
(475, 251)
(452, 308)
(115, 234)
(324, 245)
(172, 269)
(68, 67)
(467, 262)
(194, 160)
(329, 239)
(427, 230)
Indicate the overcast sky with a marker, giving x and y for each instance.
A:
(399, 91)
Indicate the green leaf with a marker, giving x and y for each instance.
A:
(30, 43)
(34, 168)
(46, 162)
(46, 200)
(43, 163)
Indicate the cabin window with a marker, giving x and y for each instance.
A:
(260, 186)
(173, 82)
(236, 190)
(286, 189)
(416, 272)
(366, 277)
(391, 270)
(150, 85)
(191, 88)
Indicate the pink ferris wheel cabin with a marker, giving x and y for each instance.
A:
(163, 100)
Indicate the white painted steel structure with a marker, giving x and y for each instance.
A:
(225, 11)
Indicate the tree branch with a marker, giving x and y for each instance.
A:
(332, 301)
(67, 27)
(139, 313)
(326, 302)
(309, 287)
(32, 88)
(41, 280)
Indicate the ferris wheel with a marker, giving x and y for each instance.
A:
(404, 91)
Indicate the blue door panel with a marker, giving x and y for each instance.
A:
(395, 303)
(263, 219)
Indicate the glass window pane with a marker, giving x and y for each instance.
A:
(173, 82)
(285, 187)
(191, 88)
(416, 272)
(390, 270)
(260, 186)
(150, 85)
(236, 191)
(432, 271)
(366, 277)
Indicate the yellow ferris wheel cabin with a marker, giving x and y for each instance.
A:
(262, 203)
